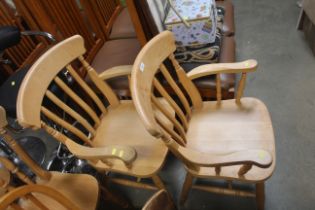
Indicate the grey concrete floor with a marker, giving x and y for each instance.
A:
(266, 31)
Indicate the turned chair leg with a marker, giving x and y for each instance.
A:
(260, 196)
(186, 187)
(158, 182)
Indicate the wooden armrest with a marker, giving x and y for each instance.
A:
(257, 157)
(116, 71)
(124, 153)
(218, 68)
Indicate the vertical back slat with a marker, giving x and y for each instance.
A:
(170, 117)
(188, 85)
(101, 85)
(170, 131)
(173, 104)
(87, 89)
(52, 116)
(71, 112)
(78, 100)
(176, 89)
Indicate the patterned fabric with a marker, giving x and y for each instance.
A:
(200, 14)
(204, 53)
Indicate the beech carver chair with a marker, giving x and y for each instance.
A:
(80, 188)
(114, 139)
(33, 197)
(231, 139)
(74, 186)
(160, 200)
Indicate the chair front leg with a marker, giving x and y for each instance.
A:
(158, 182)
(260, 196)
(186, 187)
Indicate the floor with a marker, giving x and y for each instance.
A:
(266, 31)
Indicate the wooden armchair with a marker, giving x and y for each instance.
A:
(112, 136)
(36, 197)
(160, 200)
(231, 139)
(82, 189)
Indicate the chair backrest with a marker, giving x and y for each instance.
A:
(83, 106)
(160, 200)
(8, 139)
(35, 197)
(144, 85)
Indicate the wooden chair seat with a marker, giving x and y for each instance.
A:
(79, 188)
(226, 128)
(112, 131)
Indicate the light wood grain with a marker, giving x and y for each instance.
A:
(116, 71)
(225, 140)
(61, 202)
(117, 140)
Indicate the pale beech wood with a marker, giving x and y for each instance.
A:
(186, 187)
(190, 88)
(81, 189)
(225, 140)
(172, 103)
(71, 112)
(160, 200)
(60, 202)
(124, 153)
(15, 170)
(86, 88)
(224, 191)
(170, 131)
(119, 142)
(36, 82)
(78, 100)
(116, 71)
(240, 89)
(5, 178)
(122, 126)
(170, 116)
(158, 182)
(176, 89)
(134, 184)
(100, 84)
(66, 125)
(223, 68)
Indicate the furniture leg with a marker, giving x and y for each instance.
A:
(260, 196)
(158, 182)
(186, 187)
